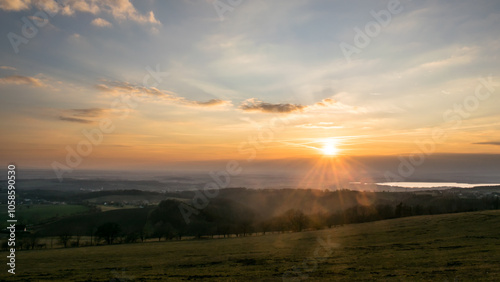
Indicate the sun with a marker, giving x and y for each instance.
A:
(329, 148)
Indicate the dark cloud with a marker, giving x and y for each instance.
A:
(80, 115)
(73, 119)
(211, 102)
(259, 106)
(92, 112)
(496, 143)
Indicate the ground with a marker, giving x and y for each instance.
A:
(450, 247)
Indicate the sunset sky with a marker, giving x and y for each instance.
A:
(197, 80)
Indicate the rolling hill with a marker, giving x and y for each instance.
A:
(450, 247)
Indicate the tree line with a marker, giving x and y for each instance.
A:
(227, 217)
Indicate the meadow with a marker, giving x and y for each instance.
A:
(449, 247)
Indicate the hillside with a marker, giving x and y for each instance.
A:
(462, 246)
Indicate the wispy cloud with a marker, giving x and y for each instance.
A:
(91, 112)
(82, 115)
(254, 105)
(119, 87)
(77, 120)
(326, 102)
(212, 102)
(495, 143)
(7, 68)
(320, 125)
(21, 80)
(100, 22)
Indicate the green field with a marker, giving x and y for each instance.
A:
(32, 214)
(451, 247)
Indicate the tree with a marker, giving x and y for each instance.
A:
(92, 229)
(162, 229)
(265, 226)
(64, 239)
(131, 237)
(296, 219)
(108, 231)
(146, 231)
(399, 210)
(77, 242)
(199, 228)
(33, 240)
(244, 227)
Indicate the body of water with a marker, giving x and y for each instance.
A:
(433, 184)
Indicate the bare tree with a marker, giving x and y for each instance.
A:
(64, 239)
(296, 219)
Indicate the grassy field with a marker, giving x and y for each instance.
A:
(36, 213)
(452, 247)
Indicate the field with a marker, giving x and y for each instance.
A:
(451, 247)
(37, 213)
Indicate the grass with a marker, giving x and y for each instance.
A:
(452, 247)
(33, 214)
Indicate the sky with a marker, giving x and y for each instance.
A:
(139, 84)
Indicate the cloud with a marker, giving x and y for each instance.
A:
(100, 22)
(75, 37)
(495, 143)
(72, 119)
(119, 9)
(321, 125)
(21, 80)
(330, 105)
(253, 105)
(212, 102)
(91, 112)
(7, 68)
(326, 102)
(117, 88)
(15, 5)
(123, 9)
(82, 115)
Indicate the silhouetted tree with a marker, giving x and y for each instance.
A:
(244, 227)
(33, 240)
(398, 212)
(162, 229)
(108, 231)
(64, 239)
(131, 237)
(297, 220)
(265, 226)
(92, 229)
